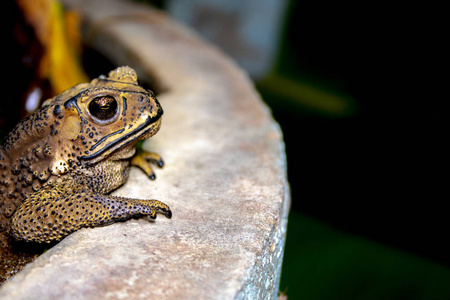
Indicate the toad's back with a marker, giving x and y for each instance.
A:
(25, 157)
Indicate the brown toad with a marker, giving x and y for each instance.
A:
(57, 165)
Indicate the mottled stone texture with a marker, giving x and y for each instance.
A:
(224, 179)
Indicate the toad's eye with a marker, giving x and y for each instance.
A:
(103, 108)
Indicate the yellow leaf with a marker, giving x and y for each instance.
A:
(58, 32)
(64, 67)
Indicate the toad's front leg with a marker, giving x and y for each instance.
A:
(53, 213)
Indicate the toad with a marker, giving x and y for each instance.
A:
(58, 165)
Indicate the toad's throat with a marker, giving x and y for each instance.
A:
(124, 140)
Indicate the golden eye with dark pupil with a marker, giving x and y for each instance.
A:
(103, 108)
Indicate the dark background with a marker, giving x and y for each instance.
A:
(380, 171)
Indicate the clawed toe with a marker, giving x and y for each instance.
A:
(159, 162)
(143, 159)
(157, 206)
(165, 210)
(167, 213)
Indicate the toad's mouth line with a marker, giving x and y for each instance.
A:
(122, 141)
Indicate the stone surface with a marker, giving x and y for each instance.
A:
(224, 179)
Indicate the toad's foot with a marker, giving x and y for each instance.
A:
(142, 160)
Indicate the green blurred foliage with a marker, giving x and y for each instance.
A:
(321, 262)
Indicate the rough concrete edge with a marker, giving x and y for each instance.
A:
(253, 287)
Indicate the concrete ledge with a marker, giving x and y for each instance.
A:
(224, 179)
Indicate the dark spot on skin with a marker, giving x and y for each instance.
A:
(57, 110)
(72, 103)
